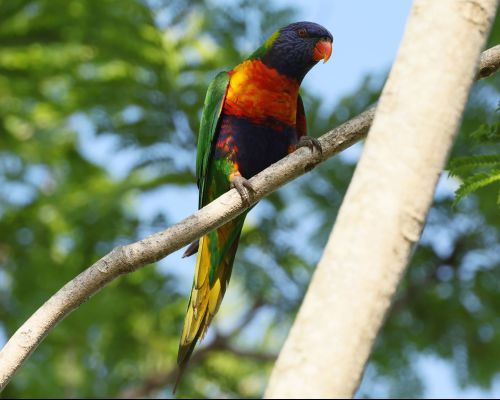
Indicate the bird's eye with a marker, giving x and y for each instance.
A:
(302, 32)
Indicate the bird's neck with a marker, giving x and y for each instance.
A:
(260, 93)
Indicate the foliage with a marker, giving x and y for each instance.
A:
(478, 171)
(99, 107)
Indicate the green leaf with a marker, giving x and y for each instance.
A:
(487, 133)
(458, 166)
(476, 182)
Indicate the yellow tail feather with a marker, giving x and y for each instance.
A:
(208, 291)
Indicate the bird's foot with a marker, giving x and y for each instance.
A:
(312, 144)
(244, 188)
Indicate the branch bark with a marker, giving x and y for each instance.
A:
(384, 210)
(126, 259)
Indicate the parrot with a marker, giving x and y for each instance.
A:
(253, 116)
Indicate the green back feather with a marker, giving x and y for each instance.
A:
(262, 50)
(210, 117)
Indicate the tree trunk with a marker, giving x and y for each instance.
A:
(385, 207)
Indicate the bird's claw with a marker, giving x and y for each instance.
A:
(192, 249)
(244, 188)
(311, 143)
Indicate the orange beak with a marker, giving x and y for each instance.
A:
(322, 50)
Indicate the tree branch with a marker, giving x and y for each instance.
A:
(384, 210)
(126, 259)
(489, 62)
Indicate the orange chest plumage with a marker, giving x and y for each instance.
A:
(261, 94)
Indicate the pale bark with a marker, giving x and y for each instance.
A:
(128, 258)
(384, 210)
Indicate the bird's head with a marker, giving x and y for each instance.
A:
(296, 48)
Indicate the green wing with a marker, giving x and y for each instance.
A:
(212, 108)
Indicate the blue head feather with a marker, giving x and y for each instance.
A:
(291, 51)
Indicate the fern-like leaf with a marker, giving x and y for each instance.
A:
(460, 165)
(475, 182)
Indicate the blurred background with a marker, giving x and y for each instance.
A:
(99, 110)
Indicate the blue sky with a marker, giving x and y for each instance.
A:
(355, 53)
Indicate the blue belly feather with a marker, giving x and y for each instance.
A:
(253, 146)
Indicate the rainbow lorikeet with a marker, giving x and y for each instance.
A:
(253, 116)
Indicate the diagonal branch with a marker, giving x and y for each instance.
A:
(126, 259)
